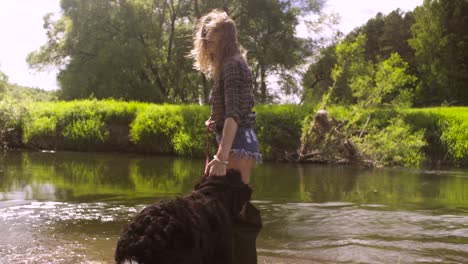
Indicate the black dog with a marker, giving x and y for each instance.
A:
(205, 227)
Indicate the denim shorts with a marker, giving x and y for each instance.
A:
(245, 144)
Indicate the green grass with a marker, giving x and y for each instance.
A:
(110, 125)
(279, 128)
(170, 129)
(77, 125)
(449, 127)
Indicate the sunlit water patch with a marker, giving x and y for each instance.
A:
(57, 232)
(70, 208)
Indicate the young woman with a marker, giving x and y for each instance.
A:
(219, 56)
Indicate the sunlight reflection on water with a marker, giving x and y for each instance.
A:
(71, 209)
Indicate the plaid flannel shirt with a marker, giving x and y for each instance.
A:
(232, 95)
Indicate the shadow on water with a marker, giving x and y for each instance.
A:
(51, 203)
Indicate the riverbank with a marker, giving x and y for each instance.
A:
(109, 125)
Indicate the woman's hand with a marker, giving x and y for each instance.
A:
(216, 168)
(209, 124)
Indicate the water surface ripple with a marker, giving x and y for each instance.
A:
(70, 207)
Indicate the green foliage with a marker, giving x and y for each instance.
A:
(136, 49)
(179, 130)
(279, 129)
(3, 84)
(386, 147)
(446, 131)
(154, 129)
(11, 117)
(78, 125)
(455, 137)
(170, 129)
(393, 82)
(365, 46)
(41, 131)
(373, 86)
(11, 114)
(27, 94)
(269, 29)
(442, 131)
(14, 92)
(431, 39)
(370, 84)
(440, 44)
(91, 125)
(191, 140)
(317, 79)
(350, 66)
(85, 134)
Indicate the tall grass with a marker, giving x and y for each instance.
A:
(446, 130)
(110, 125)
(170, 129)
(78, 125)
(279, 129)
(11, 121)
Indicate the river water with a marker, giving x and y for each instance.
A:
(69, 207)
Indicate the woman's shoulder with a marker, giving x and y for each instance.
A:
(234, 65)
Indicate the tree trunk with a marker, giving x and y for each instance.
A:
(263, 87)
(172, 31)
(206, 89)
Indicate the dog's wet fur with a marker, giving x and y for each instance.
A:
(195, 229)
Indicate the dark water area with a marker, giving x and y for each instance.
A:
(69, 208)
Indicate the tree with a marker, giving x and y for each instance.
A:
(350, 63)
(136, 49)
(440, 41)
(385, 35)
(129, 49)
(370, 86)
(373, 29)
(267, 29)
(366, 83)
(317, 80)
(3, 84)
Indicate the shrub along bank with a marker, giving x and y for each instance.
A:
(109, 125)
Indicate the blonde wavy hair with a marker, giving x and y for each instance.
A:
(215, 21)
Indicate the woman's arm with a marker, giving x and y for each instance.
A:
(233, 80)
(229, 132)
(216, 168)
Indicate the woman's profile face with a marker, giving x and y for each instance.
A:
(211, 42)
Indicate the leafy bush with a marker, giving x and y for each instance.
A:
(178, 129)
(77, 125)
(395, 145)
(192, 139)
(455, 136)
(170, 129)
(279, 129)
(85, 134)
(153, 129)
(446, 132)
(11, 118)
(41, 132)
(11, 114)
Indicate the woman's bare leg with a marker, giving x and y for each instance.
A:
(248, 223)
(244, 165)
